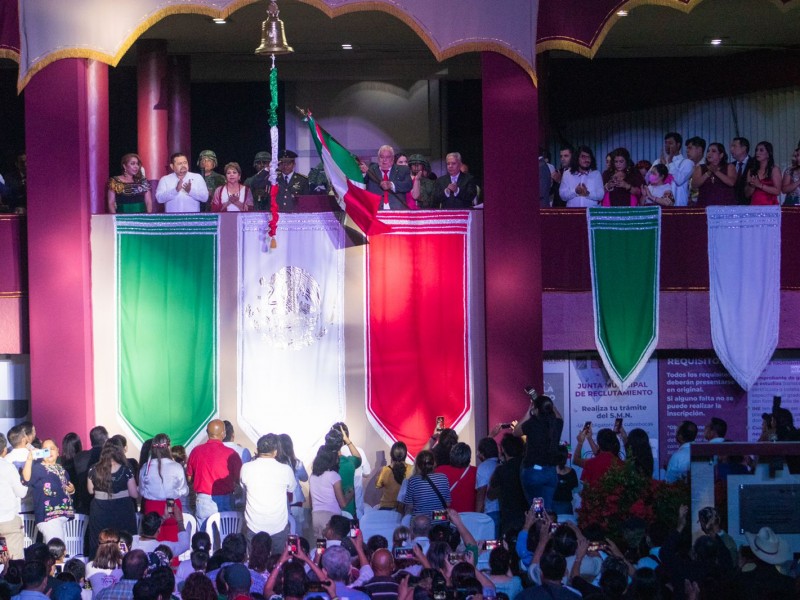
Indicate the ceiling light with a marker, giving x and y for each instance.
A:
(715, 41)
(622, 13)
(219, 21)
(347, 46)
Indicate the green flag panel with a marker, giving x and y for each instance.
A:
(167, 293)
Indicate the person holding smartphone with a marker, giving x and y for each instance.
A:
(52, 492)
(542, 424)
(11, 492)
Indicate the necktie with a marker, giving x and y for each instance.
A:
(286, 178)
(386, 192)
(739, 165)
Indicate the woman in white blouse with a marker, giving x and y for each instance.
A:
(582, 184)
(160, 479)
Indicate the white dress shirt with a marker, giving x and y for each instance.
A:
(681, 169)
(181, 201)
(593, 182)
(679, 463)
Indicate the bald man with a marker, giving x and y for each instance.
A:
(213, 469)
(382, 585)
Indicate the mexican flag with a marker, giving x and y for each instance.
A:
(345, 176)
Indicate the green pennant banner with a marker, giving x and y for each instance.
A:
(167, 292)
(624, 252)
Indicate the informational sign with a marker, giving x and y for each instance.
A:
(594, 398)
(781, 378)
(556, 385)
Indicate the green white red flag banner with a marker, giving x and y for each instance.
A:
(624, 253)
(346, 178)
(744, 275)
(167, 288)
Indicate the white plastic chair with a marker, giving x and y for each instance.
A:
(226, 522)
(29, 526)
(75, 530)
(480, 525)
(190, 523)
(379, 522)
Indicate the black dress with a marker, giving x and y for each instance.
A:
(116, 513)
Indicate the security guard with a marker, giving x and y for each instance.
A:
(207, 162)
(259, 183)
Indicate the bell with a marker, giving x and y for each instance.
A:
(273, 38)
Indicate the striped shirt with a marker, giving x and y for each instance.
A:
(421, 496)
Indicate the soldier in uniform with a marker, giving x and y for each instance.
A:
(259, 183)
(290, 184)
(422, 190)
(317, 180)
(207, 161)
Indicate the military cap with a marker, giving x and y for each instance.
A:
(287, 155)
(416, 158)
(207, 154)
(262, 156)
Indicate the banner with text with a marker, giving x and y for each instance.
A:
(781, 378)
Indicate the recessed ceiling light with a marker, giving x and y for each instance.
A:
(622, 13)
(715, 41)
(219, 21)
(347, 46)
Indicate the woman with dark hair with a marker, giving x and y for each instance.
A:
(71, 446)
(112, 483)
(622, 182)
(763, 177)
(582, 184)
(542, 424)
(162, 479)
(638, 449)
(122, 443)
(462, 476)
(714, 180)
(567, 482)
(232, 196)
(198, 587)
(791, 181)
(325, 489)
(260, 550)
(392, 476)
(444, 442)
(606, 454)
(426, 491)
(286, 456)
(130, 191)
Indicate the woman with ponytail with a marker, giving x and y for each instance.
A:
(393, 475)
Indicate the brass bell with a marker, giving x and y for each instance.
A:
(273, 38)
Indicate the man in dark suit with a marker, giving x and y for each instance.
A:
(388, 180)
(740, 158)
(456, 189)
(85, 460)
(290, 184)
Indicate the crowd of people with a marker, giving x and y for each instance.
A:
(404, 182)
(707, 175)
(523, 482)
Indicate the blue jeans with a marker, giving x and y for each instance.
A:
(539, 482)
(207, 505)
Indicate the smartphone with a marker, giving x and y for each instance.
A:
(439, 516)
(123, 547)
(776, 402)
(354, 530)
(170, 505)
(595, 546)
(538, 507)
(492, 544)
(617, 425)
(403, 553)
(439, 423)
(292, 542)
(3, 545)
(322, 545)
(554, 527)
(456, 557)
(43, 453)
(587, 426)
(505, 425)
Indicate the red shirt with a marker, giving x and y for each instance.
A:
(213, 468)
(597, 466)
(462, 497)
